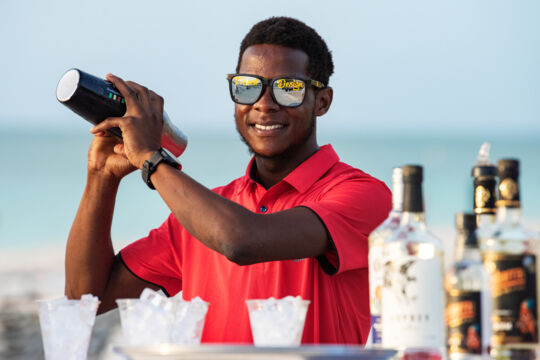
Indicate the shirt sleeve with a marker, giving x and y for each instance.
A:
(156, 258)
(350, 211)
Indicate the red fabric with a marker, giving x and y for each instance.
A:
(351, 204)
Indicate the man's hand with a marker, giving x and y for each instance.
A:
(106, 157)
(141, 126)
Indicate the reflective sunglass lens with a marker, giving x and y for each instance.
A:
(245, 89)
(289, 92)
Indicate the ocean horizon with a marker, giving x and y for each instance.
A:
(44, 174)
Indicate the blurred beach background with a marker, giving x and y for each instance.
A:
(416, 82)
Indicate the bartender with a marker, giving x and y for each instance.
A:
(296, 223)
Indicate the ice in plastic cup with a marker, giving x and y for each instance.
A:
(155, 319)
(277, 322)
(66, 327)
(144, 324)
(188, 321)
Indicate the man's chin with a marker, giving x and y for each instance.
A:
(264, 154)
(261, 153)
(273, 154)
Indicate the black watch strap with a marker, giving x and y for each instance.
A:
(150, 165)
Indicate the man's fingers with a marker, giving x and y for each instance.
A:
(135, 93)
(127, 92)
(106, 125)
(119, 149)
(143, 94)
(156, 102)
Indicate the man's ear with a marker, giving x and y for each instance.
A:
(323, 100)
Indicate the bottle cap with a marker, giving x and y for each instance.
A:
(412, 173)
(413, 200)
(484, 170)
(508, 168)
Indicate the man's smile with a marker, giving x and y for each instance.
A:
(268, 129)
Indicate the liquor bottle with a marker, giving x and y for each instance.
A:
(467, 294)
(376, 242)
(413, 293)
(485, 183)
(510, 258)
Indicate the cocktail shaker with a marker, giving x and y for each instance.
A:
(96, 99)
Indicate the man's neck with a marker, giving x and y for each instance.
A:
(270, 171)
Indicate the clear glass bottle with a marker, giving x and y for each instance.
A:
(510, 258)
(467, 296)
(376, 242)
(485, 183)
(413, 292)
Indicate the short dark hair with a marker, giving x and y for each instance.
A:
(295, 34)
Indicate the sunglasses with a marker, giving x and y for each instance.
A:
(286, 91)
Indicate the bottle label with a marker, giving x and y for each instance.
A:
(508, 193)
(464, 322)
(412, 303)
(376, 327)
(513, 290)
(375, 290)
(484, 195)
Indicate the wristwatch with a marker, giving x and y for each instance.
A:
(150, 165)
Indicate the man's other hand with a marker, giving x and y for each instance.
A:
(106, 157)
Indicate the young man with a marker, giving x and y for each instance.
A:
(295, 224)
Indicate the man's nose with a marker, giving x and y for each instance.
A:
(266, 102)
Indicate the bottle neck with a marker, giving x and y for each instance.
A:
(468, 253)
(394, 213)
(467, 247)
(485, 219)
(508, 215)
(413, 200)
(397, 195)
(415, 220)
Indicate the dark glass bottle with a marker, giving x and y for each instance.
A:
(510, 258)
(467, 294)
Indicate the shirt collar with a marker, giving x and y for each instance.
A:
(307, 173)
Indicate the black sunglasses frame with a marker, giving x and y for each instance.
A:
(270, 82)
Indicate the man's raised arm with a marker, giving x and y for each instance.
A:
(90, 263)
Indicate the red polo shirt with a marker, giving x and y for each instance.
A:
(349, 202)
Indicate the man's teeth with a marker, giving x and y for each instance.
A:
(268, 127)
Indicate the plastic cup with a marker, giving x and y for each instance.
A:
(66, 327)
(171, 321)
(143, 324)
(277, 322)
(188, 322)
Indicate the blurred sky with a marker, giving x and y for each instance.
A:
(401, 67)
